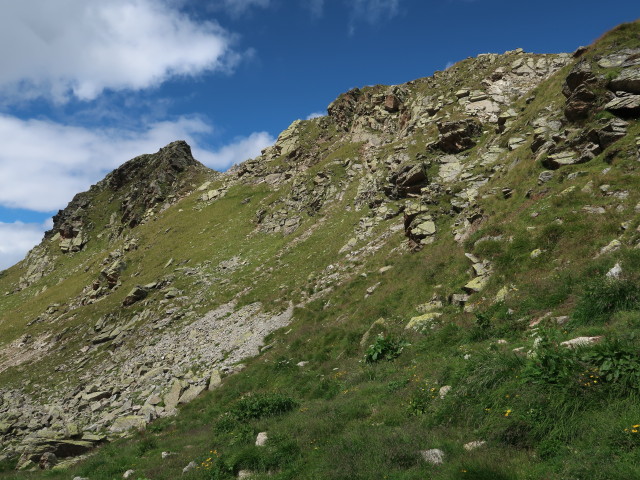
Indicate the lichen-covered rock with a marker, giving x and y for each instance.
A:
(122, 424)
(476, 285)
(627, 81)
(561, 159)
(136, 294)
(626, 105)
(423, 322)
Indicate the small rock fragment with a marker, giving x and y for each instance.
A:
(581, 341)
(189, 467)
(444, 391)
(473, 445)
(261, 440)
(615, 271)
(434, 456)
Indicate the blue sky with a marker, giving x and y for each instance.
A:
(89, 84)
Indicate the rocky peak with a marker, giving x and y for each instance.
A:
(138, 186)
(161, 167)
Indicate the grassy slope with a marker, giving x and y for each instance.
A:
(542, 418)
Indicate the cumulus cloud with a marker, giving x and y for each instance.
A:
(241, 149)
(17, 238)
(313, 115)
(80, 48)
(43, 163)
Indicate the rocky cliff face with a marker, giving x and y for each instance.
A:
(155, 284)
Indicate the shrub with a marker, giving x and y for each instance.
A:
(214, 467)
(616, 364)
(421, 400)
(605, 296)
(384, 348)
(551, 362)
(254, 406)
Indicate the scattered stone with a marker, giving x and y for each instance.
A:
(627, 81)
(561, 159)
(372, 289)
(191, 393)
(423, 322)
(261, 439)
(581, 341)
(594, 210)
(515, 142)
(189, 467)
(172, 398)
(459, 299)
(615, 272)
(474, 445)
(625, 104)
(613, 131)
(612, 246)
(545, 176)
(444, 391)
(476, 285)
(215, 379)
(434, 456)
(136, 294)
(430, 306)
(166, 455)
(301, 364)
(122, 424)
(128, 473)
(501, 296)
(47, 461)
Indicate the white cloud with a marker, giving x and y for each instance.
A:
(82, 47)
(43, 164)
(313, 115)
(373, 11)
(243, 148)
(17, 238)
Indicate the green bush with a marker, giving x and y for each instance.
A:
(384, 348)
(214, 467)
(254, 406)
(551, 362)
(421, 399)
(604, 296)
(616, 364)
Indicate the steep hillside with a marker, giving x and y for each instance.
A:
(439, 278)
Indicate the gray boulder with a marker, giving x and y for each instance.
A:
(628, 81)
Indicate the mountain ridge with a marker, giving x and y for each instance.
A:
(451, 211)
